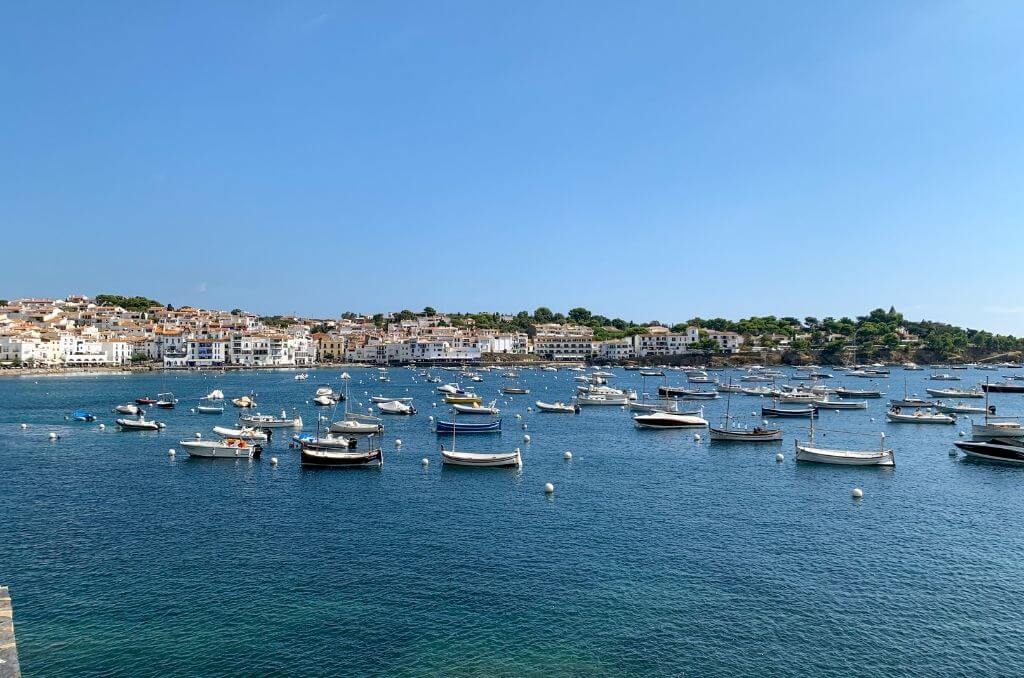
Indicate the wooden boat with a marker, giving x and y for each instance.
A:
(557, 407)
(357, 424)
(396, 407)
(857, 393)
(822, 455)
(228, 448)
(210, 409)
(140, 424)
(742, 435)
(511, 459)
(444, 427)
(270, 421)
(828, 404)
(245, 433)
(1008, 450)
(336, 458)
(464, 399)
(810, 411)
(668, 420)
(515, 390)
(919, 417)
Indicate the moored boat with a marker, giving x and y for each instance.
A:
(557, 407)
(511, 459)
(270, 421)
(1008, 450)
(228, 448)
(245, 433)
(445, 427)
(128, 408)
(82, 415)
(919, 416)
(209, 409)
(140, 424)
(668, 420)
(396, 407)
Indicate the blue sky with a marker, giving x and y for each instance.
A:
(651, 160)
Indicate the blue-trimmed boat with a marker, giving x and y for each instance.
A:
(82, 415)
(449, 427)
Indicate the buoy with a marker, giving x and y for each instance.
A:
(549, 488)
(171, 452)
(567, 455)
(872, 418)
(696, 436)
(529, 409)
(273, 461)
(525, 426)
(425, 461)
(519, 416)
(753, 414)
(433, 404)
(65, 417)
(398, 442)
(53, 435)
(102, 426)
(198, 434)
(193, 410)
(430, 418)
(24, 426)
(526, 439)
(857, 493)
(961, 433)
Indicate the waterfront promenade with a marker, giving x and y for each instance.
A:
(8, 648)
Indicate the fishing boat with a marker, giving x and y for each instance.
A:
(730, 433)
(385, 399)
(955, 393)
(357, 424)
(166, 401)
(799, 397)
(140, 424)
(668, 420)
(228, 448)
(82, 415)
(329, 457)
(245, 433)
(557, 407)
(600, 399)
(511, 459)
(918, 416)
(215, 394)
(857, 393)
(515, 390)
(1009, 450)
(396, 407)
(444, 427)
(210, 409)
(128, 408)
(326, 441)
(270, 421)
(244, 401)
(145, 400)
(729, 388)
(809, 452)
(827, 403)
(463, 399)
(478, 409)
(809, 411)
(944, 376)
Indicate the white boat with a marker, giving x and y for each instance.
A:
(740, 435)
(215, 394)
(449, 389)
(919, 416)
(396, 407)
(664, 420)
(823, 455)
(945, 376)
(960, 408)
(557, 407)
(245, 433)
(327, 441)
(997, 427)
(912, 367)
(358, 424)
(601, 399)
(128, 408)
(210, 409)
(511, 459)
(1005, 449)
(244, 401)
(955, 393)
(228, 448)
(324, 401)
(140, 424)
(385, 399)
(477, 409)
(324, 391)
(301, 377)
(799, 397)
(828, 404)
(270, 421)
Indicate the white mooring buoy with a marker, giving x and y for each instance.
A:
(567, 456)
(273, 461)
(198, 434)
(398, 442)
(425, 461)
(53, 435)
(526, 439)
(102, 426)
(549, 488)
(171, 452)
(857, 493)
(24, 426)
(780, 457)
(696, 437)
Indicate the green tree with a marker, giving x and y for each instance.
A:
(543, 314)
(429, 311)
(580, 315)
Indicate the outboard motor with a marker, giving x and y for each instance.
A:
(991, 409)
(257, 450)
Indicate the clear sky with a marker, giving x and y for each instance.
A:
(649, 160)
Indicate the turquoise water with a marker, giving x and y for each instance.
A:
(657, 554)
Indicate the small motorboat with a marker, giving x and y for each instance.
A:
(145, 400)
(244, 401)
(324, 401)
(140, 424)
(511, 459)
(823, 455)
(358, 424)
(128, 408)
(449, 427)
(210, 409)
(328, 441)
(166, 401)
(228, 448)
(945, 376)
(270, 421)
(396, 407)
(515, 390)
(82, 415)
(326, 453)
(955, 393)
(911, 402)
(215, 394)
(384, 399)
(652, 373)
(245, 433)
(664, 420)
(1008, 450)
(959, 408)
(857, 393)
(491, 409)
(301, 377)
(557, 407)
(450, 389)
(828, 404)
(686, 393)
(918, 416)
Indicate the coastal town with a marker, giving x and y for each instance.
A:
(113, 331)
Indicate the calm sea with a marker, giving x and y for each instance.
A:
(658, 554)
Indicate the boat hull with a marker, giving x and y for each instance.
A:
(481, 460)
(740, 436)
(844, 457)
(331, 458)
